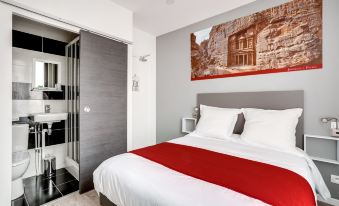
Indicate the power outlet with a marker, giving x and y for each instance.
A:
(333, 125)
(335, 179)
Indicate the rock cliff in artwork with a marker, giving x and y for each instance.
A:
(284, 38)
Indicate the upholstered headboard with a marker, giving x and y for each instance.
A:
(276, 100)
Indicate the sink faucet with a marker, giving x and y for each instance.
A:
(47, 108)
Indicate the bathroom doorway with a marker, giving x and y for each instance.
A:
(45, 102)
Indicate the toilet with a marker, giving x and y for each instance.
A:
(20, 158)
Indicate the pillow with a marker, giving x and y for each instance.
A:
(216, 122)
(274, 128)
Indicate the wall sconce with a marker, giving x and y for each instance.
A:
(333, 121)
(334, 125)
(195, 112)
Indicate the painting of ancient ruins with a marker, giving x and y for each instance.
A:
(281, 39)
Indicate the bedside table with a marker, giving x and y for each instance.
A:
(188, 124)
(323, 149)
(314, 144)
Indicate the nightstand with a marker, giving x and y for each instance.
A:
(314, 146)
(188, 124)
(323, 149)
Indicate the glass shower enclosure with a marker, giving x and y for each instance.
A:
(73, 106)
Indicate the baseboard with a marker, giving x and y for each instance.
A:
(72, 167)
(330, 201)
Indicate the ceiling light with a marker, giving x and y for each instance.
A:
(170, 2)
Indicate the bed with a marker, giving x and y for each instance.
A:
(137, 179)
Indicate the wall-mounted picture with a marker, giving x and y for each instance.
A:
(281, 39)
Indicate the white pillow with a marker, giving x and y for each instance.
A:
(274, 128)
(217, 122)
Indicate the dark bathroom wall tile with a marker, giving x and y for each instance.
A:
(57, 137)
(37, 43)
(52, 46)
(26, 41)
(22, 91)
(55, 95)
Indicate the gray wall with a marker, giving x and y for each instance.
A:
(176, 93)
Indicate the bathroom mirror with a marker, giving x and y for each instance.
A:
(46, 75)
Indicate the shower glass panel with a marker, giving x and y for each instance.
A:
(73, 102)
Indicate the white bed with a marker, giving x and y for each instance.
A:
(129, 179)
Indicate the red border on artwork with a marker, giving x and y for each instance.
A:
(267, 71)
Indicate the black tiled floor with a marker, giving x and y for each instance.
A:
(37, 183)
(40, 189)
(37, 198)
(63, 178)
(69, 187)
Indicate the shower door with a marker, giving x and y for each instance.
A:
(73, 103)
(103, 103)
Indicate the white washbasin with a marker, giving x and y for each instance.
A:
(49, 117)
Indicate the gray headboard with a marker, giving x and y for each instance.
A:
(276, 100)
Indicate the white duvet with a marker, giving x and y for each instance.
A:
(129, 179)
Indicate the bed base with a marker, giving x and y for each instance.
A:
(104, 201)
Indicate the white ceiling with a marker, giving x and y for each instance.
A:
(157, 17)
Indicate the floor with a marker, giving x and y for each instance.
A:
(40, 190)
(75, 199)
(91, 199)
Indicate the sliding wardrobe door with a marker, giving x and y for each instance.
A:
(103, 103)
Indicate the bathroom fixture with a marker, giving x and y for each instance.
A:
(20, 158)
(46, 75)
(49, 117)
(144, 58)
(72, 97)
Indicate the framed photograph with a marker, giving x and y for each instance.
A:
(281, 39)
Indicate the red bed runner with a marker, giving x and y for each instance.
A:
(268, 183)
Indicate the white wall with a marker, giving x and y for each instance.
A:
(144, 108)
(5, 105)
(101, 16)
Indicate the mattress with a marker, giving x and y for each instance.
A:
(129, 179)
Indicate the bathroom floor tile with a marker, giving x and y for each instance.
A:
(43, 196)
(61, 171)
(68, 187)
(21, 201)
(37, 183)
(63, 178)
(41, 189)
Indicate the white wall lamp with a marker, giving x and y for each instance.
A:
(334, 124)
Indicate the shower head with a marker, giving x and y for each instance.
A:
(144, 58)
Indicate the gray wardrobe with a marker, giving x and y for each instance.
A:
(103, 103)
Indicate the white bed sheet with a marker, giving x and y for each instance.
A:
(129, 179)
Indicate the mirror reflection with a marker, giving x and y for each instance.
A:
(46, 75)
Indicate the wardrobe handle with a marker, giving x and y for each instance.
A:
(87, 109)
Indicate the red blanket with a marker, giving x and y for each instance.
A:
(268, 183)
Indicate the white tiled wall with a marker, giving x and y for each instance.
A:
(22, 108)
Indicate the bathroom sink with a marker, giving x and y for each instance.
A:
(49, 117)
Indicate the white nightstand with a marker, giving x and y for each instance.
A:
(314, 144)
(188, 124)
